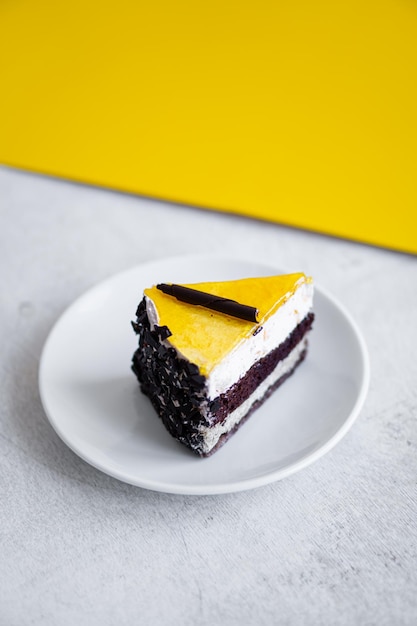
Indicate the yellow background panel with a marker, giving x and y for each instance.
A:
(303, 113)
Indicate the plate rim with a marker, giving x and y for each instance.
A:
(209, 488)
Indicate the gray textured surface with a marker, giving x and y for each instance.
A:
(333, 544)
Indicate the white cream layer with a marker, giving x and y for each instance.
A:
(275, 330)
(211, 435)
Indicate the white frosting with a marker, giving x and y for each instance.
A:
(152, 314)
(212, 434)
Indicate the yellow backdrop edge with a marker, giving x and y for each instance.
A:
(302, 115)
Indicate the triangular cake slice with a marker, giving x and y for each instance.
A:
(204, 367)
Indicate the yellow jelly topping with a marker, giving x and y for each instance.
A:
(205, 337)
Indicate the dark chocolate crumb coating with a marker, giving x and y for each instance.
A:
(177, 390)
(174, 386)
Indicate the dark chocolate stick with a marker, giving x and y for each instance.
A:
(210, 301)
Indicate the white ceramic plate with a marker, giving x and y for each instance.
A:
(93, 401)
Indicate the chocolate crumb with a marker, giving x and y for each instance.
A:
(258, 330)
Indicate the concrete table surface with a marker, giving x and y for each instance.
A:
(333, 544)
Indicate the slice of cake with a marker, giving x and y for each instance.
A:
(211, 353)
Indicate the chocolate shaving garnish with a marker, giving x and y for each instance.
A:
(210, 301)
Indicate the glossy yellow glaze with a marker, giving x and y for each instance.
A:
(205, 337)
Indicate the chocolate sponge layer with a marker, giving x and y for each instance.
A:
(256, 405)
(244, 388)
